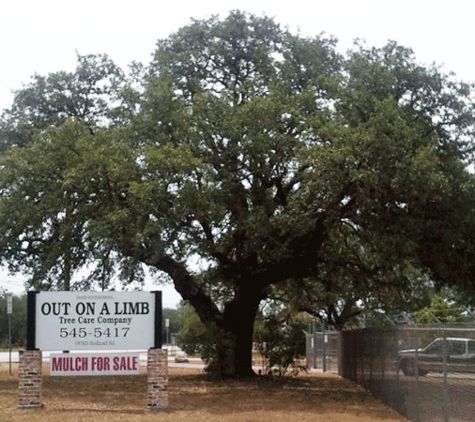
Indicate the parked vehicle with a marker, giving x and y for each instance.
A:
(456, 355)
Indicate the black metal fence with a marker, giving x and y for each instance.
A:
(426, 373)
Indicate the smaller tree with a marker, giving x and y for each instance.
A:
(175, 319)
(196, 338)
(442, 310)
(280, 340)
(17, 320)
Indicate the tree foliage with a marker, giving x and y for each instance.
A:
(249, 155)
(196, 338)
(280, 340)
(443, 310)
(85, 94)
(16, 321)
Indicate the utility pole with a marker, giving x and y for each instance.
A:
(167, 326)
(9, 313)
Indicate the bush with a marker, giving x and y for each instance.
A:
(194, 338)
(281, 344)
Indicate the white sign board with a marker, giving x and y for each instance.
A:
(9, 305)
(95, 321)
(81, 364)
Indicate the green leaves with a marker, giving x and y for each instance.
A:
(231, 57)
(85, 95)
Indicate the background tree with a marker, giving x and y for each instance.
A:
(250, 152)
(48, 110)
(443, 309)
(196, 338)
(280, 339)
(177, 319)
(17, 320)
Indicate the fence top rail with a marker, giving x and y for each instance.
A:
(414, 328)
(438, 328)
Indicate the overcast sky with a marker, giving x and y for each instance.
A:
(42, 36)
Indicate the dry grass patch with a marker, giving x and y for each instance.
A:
(308, 397)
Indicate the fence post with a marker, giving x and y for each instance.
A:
(340, 352)
(445, 351)
(371, 355)
(418, 397)
(314, 346)
(324, 348)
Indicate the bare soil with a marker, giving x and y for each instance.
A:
(309, 397)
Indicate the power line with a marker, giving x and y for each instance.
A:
(15, 285)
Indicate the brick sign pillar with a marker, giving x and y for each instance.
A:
(157, 379)
(29, 375)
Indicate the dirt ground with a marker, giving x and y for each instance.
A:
(312, 397)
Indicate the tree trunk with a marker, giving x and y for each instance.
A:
(235, 326)
(234, 343)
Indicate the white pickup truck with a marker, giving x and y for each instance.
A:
(457, 355)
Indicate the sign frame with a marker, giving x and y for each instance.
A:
(94, 320)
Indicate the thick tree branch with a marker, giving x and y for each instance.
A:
(187, 286)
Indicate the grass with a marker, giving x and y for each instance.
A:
(308, 397)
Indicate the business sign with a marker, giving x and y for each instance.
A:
(86, 364)
(94, 321)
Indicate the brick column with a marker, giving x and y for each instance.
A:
(29, 375)
(157, 379)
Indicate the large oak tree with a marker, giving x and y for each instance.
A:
(236, 162)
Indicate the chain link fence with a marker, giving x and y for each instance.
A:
(322, 350)
(426, 373)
